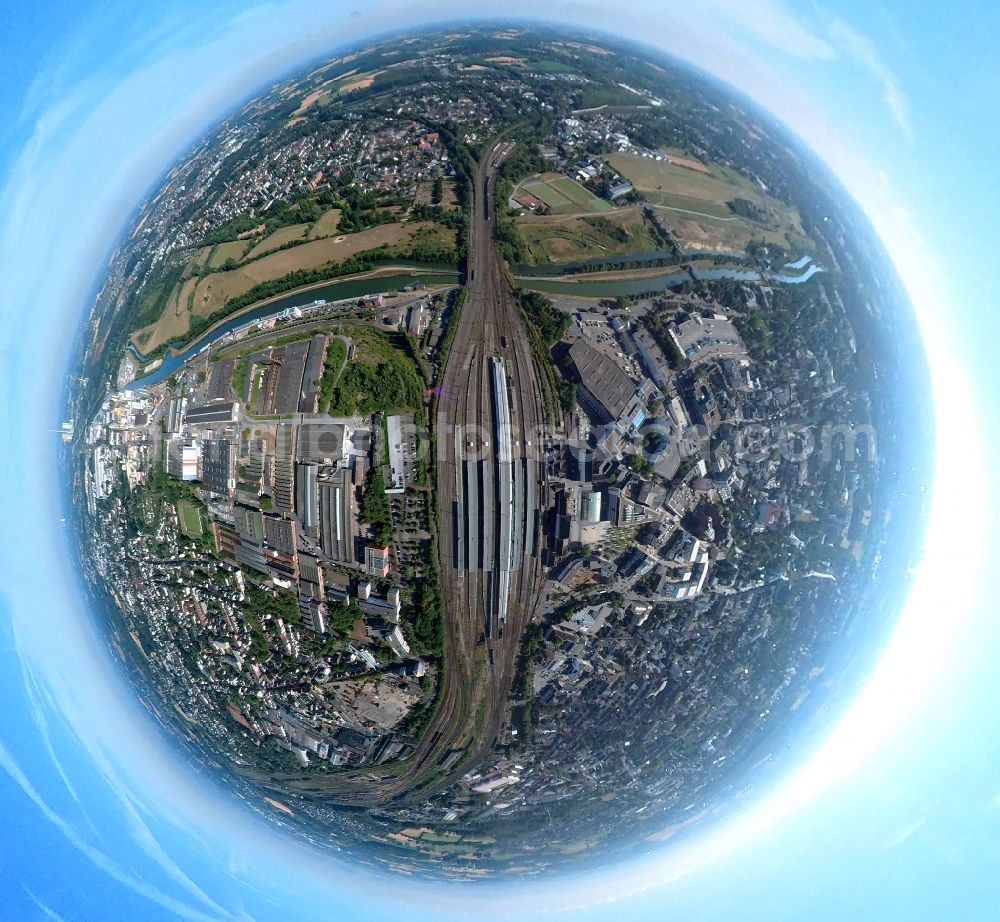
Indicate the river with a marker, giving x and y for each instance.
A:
(671, 279)
(332, 291)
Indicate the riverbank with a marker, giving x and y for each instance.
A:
(383, 280)
(390, 274)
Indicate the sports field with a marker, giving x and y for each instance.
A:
(190, 519)
(563, 195)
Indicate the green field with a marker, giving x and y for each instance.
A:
(563, 195)
(696, 206)
(718, 186)
(336, 355)
(174, 300)
(237, 249)
(595, 97)
(688, 203)
(575, 239)
(551, 67)
(381, 377)
(189, 516)
(281, 237)
(327, 225)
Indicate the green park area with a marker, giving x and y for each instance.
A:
(710, 207)
(570, 239)
(381, 377)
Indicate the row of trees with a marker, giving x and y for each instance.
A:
(375, 506)
(550, 322)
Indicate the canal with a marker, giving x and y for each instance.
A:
(332, 291)
(614, 288)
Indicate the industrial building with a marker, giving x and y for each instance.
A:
(312, 374)
(284, 467)
(336, 515)
(307, 497)
(212, 414)
(218, 465)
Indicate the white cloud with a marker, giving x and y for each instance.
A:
(861, 50)
(100, 858)
(902, 834)
(46, 911)
(770, 22)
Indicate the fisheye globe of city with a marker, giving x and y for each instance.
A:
(497, 451)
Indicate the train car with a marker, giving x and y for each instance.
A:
(505, 498)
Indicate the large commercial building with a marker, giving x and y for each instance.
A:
(323, 442)
(280, 535)
(312, 601)
(288, 392)
(284, 467)
(280, 547)
(249, 524)
(655, 362)
(606, 391)
(590, 507)
(397, 461)
(221, 378)
(175, 414)
(703, 338)
(309, 393)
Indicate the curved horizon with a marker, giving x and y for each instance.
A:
(70, 716)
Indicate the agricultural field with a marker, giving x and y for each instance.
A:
(327, 225)
(201, 258)
(202, 295)
(279, 238)
(563, 195)
(570, 239)
(237, 249)
(346, 83)
(695, 201)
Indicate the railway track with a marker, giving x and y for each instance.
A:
(482, 630)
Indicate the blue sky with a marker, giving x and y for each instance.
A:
(896, 817)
